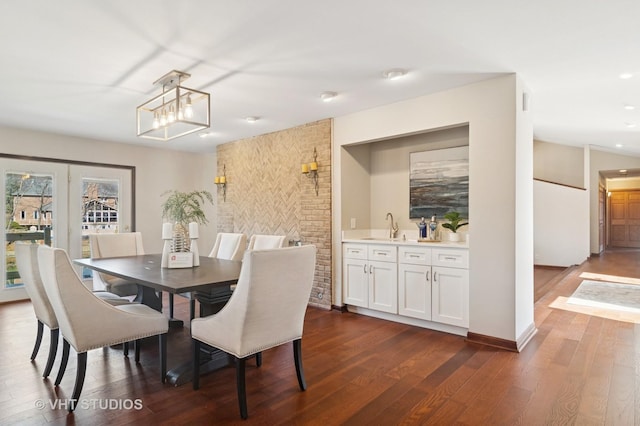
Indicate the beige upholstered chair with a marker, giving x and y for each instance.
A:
(86, 322)
(263, 242)
(267, 309)
(115, 245)
(229, 246)
(27, 262)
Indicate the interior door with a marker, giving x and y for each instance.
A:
(34, 199)
(625, 218)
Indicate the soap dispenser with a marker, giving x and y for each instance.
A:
(433, 225)
(422, 226)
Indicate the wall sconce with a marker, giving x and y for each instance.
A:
(311, 169)
(221, 182)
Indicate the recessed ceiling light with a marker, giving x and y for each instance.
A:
(623, 171)
(328, 96)
(629, 107)
(205, 135)
(394, 73)
(252, 119)
(619, 145)
(626, 75)
(630, 125)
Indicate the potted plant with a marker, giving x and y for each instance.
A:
(182, 208)
(453, 225)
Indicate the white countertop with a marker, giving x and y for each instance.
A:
(377, 237)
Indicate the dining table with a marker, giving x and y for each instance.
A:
(210, 277)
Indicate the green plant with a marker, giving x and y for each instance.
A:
(186, 207)
(454, 221)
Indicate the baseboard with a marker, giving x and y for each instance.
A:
(495, 342)
(342, 308)
(507, 345)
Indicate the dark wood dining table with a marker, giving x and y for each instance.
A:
(146, 271)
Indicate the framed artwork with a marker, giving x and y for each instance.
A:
(439, 182)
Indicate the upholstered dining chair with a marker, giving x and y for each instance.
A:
(266, 309)
(262, 242)
(87, 322)
(229, 246)
(27, 263)
(115, 245)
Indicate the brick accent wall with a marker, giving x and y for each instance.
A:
(268, 194)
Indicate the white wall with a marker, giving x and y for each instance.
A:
(558, 163)
(561, 224)
(157, 170)
(500, 229)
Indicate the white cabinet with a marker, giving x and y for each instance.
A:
(370, 276)
(450, 287)
(414, 282)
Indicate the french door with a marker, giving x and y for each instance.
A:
(58, 204)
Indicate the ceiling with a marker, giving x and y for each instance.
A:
(81, 67)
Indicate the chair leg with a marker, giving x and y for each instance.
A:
(259, 359)
(125, 349)
(242, 389)
(36, 347)
(196, 363)
(192, 308)
(163, 357)
(80, 373)
(53, 348)
(63, 361)
(297, 356)
(136, 345)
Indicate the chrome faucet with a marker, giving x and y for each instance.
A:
(393, 229)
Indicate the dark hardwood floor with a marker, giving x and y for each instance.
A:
(578, 369)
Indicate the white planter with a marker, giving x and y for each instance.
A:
(454, 236)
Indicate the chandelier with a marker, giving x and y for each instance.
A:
(176, 112)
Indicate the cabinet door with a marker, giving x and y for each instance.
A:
(450, 296)
(383, 286)
(355, 281)
(414, 291)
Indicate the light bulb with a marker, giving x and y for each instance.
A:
(156, 121)
(188, 109)
(163, 118)
(172, 114)
(180, 112)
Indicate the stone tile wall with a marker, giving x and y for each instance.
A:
(268, 194)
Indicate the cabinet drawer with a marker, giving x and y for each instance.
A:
(354, 251)
(414, 255)
(386, 253)
(452, 258)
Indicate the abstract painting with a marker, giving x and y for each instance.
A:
(439, 182)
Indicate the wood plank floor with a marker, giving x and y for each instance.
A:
(580, 368)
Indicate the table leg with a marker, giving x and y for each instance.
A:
(147, 296)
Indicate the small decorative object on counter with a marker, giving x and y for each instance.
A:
(422, 226)
(433, 225)
(453, 225)
(167, 236)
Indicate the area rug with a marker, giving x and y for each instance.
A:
(607, 295)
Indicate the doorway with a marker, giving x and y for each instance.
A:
(59, 203)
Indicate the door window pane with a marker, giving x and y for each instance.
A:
(27, 196)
